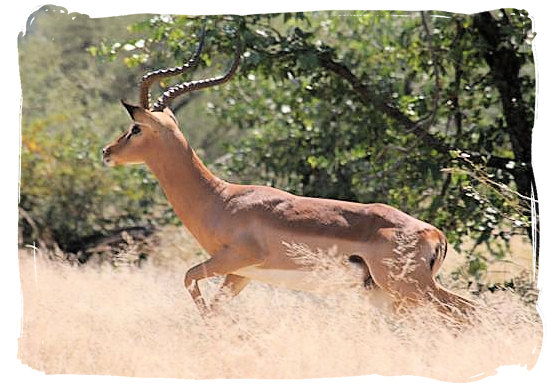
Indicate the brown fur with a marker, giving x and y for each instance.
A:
(244, 226)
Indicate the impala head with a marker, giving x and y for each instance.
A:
(144, 136)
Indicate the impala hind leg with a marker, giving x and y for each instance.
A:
(412, 292)
(409, 279)
(451, 303)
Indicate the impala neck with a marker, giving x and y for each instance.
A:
(194, 192)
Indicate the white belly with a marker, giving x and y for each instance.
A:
(296, 279)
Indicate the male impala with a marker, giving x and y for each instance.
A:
(247, 229)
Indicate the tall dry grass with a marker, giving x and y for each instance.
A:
(141, 322)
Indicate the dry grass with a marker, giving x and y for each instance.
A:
(141, 322)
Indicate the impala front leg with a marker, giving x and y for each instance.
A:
(231, 287)
(222, 264)
(192, 286)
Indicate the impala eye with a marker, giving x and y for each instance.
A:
(136, 129)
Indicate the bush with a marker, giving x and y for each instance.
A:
(68, 195)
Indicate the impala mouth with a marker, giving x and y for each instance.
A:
(108, 161)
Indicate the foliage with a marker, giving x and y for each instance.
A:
(66, 195)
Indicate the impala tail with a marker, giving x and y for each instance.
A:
(438, 255)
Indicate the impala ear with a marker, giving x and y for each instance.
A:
(133, 110)
(140, 114)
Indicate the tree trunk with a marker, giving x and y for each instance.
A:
(505, 62)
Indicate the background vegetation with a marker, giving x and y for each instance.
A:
(429, 112)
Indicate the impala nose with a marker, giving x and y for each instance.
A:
(106, 152)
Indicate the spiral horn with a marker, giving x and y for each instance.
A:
(150, 78)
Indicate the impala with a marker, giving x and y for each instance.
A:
(246, 229)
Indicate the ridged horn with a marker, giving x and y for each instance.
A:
(184, 88)
(150, 78)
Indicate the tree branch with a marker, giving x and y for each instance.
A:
(419, 128)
